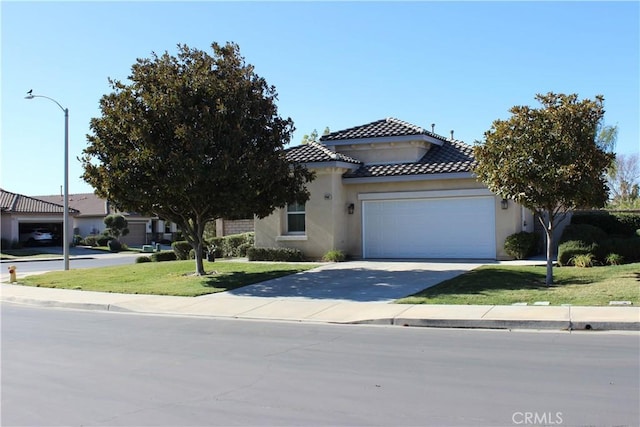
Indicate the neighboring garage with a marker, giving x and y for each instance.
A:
(137, 233)
(25, 227)
(435, 227)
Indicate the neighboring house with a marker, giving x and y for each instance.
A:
(226, 227)
(390, 189)
(92, 210)
(20, 214)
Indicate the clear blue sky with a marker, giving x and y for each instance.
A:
(459, 65)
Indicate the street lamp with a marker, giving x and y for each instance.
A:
(65, 224)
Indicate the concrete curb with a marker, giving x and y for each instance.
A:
(557, 325)
(9, 261)
(59, 304)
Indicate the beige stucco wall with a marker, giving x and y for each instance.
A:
(326, 226)
(5, 227)
(390, 152)
(329, 226)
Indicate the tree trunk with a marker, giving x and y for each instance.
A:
(549, 231)
(199, 262)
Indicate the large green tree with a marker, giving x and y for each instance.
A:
(624, 182)
(192, 138)
(548, 159)
(313, 137)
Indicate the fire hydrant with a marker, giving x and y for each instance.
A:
(12, 274)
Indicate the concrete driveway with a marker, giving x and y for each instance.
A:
(363, 281)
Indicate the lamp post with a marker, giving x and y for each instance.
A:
(65, 224)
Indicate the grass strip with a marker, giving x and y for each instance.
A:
(506, 285)
(165, 278)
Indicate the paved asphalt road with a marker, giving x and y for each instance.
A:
(88, 259)
(76, 368)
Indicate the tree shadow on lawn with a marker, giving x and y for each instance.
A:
(352, 284)
(479, 281)
(228, 281)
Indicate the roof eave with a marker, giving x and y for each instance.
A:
(331, 164)
(406, 178)
(380, 139)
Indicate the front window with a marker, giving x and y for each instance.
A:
(295, 218)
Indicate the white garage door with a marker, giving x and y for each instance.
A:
(447, 227)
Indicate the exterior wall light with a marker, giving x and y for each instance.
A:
(504, 204)
(351, 208)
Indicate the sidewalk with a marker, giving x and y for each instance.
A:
(223, 305)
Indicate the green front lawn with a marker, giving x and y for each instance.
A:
(506, 285)
(25, 253)
(165, 278)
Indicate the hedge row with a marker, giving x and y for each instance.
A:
(275, 254)
(612, 223)
(584, 238)
(235, 245)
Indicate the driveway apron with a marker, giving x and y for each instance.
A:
(362, 281)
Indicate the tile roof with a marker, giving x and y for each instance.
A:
(380, 128)
(18, 203)
(314, 152)
(451, 157)
(87, 203)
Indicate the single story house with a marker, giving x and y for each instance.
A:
(391, 189)
(87, 214)
(19, 214)
(92, 210)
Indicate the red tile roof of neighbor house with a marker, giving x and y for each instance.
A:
(379, 129)
(18, 203)
(88, 204)
(450, 157)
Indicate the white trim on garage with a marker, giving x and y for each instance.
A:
(429, 224)
(425, 194)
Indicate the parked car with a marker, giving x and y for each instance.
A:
(37, 236)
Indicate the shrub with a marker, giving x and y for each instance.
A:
(334, 255)
(91, 240)
(521, 245)
(628, 248)
(103, 239)
(114, 245)
(218, 243)
(275, 254)
(231, 245)
(243, 248)
(142, 259)
(569, 249)
(583, 260)
(614, 259)
(181, 249)
(77, 239)
(585, 233)
(612, 223)
(163, 256)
